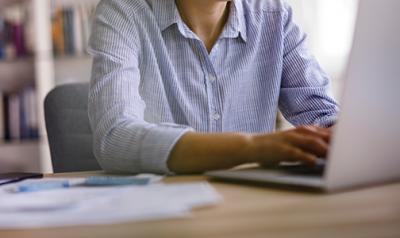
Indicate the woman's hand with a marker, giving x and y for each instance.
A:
(304, 144)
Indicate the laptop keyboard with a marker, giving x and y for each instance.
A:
(303, 169)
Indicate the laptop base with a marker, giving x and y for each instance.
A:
(274, 177)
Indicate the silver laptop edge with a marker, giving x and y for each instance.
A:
(366, 144)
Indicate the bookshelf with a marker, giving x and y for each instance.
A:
(26, 68)
(72, 69)
(71, 61)
(16, 73)
(40, 66)
(6, 3)
(20, 156)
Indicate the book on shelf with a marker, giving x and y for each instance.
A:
(71, 25)
(18, 115)
(14, 32)
(2, 117)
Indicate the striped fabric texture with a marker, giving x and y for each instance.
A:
(153, 80)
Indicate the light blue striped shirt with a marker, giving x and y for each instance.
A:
(153, 79)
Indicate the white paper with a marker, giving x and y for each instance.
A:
(107, 205)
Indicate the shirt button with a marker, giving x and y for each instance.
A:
(212, 78)
(216, 116)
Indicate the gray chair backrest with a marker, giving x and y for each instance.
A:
(68, 129)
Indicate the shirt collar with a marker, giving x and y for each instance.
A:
(236, 25)
(166, 14)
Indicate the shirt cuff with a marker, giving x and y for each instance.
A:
(327, 121)
(157, 145)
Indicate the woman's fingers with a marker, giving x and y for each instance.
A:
(323, 133)
(315, 145)
(292, 153)
(286, 152)
(304, 144)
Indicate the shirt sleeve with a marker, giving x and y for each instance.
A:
(123, 140)
(305, 97)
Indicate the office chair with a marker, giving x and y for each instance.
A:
(68, 129)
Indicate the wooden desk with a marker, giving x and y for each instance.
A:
(254, 211)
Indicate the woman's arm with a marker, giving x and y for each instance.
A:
(195, 153)
(123, 140)
(305, 96)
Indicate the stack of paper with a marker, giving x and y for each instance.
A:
(91, 205)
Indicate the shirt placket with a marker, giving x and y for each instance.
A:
(211, 83)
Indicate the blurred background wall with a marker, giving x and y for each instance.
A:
(43, 44)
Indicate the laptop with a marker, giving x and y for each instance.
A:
(366, 141)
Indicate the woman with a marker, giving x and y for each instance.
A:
(186, 86)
